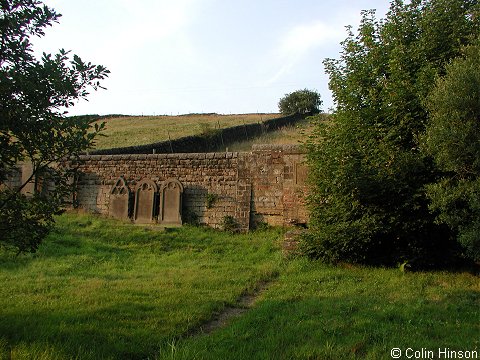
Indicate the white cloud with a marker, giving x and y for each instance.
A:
(150, 37)
(299, 41)
(303, 38)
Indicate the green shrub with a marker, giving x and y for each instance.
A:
(211, 199)
(300, 102)
(368, 201)
(453, 138)
(230, 224)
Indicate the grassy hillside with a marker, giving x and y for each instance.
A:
(104, 289)
(140, 130)
(296, 134)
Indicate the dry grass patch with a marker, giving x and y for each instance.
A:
(288, 135)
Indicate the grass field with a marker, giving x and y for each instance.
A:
(315, 311)
(140, 130)
(103, 289)
(296, 134)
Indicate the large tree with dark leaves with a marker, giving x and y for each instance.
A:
(453, 139)
(35, 95)
(368, 202)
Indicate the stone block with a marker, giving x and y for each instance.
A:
(120, 200)
(146, 193)
(171, 193)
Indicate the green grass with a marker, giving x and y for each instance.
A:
(315, 311)
(141, 130)
(100, 288)
(103, 289)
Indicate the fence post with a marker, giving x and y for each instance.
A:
(170, 141)
(221, 133)
(245, 128)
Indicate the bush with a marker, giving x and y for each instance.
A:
(300, 102)
(230, 224)
(368, 202)
(453, 138)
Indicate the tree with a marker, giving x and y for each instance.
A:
(34, 97)
(368, 202)
(300, 102)
(453, 138)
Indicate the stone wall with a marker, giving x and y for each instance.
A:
(200, 174)
(277, 174)
(264, 185)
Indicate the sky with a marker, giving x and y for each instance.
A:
(203, 56)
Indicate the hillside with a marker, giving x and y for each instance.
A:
(140, 130)
(296, 134)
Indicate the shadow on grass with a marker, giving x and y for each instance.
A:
(109, 332)
(61, 250)
(314, 327)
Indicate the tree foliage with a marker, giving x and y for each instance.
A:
(368, 202)
(453, 138)
(34, 97)
(300, 102)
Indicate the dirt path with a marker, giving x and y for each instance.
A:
(243, 304)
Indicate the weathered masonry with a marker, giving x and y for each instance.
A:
(264, 185)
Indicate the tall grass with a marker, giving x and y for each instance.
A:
(100, 288)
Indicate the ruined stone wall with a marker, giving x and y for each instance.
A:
(264, 185)
(278, 176)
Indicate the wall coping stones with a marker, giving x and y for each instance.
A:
(288, 149)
